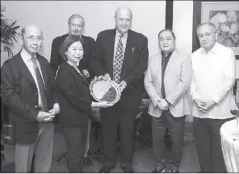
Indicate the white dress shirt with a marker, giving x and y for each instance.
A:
(213, 79)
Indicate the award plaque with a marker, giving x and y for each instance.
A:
(103, 90)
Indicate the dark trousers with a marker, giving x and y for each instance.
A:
(111, 119)
(208, 143)
(75, 138)
(175, 126)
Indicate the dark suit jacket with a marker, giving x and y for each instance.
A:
(22, 98)
(56, 60)
(134, 64)
(73, 96)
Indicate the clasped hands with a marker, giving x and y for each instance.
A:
(162, 104)
(203, 105)
(47, 116)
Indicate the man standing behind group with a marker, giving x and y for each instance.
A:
(212, 91)
(30, 95)
(121, 55)
(166, 81)
(76, 25)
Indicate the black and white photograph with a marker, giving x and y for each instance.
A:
(119, 86)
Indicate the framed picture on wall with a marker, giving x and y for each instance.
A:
(224, 15)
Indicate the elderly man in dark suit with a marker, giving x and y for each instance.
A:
(29, 94)
(121, 54)
(76, 25)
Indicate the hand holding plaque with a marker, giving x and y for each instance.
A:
(105, 90)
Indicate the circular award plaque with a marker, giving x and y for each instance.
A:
(102, 90)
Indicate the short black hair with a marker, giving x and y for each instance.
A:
(167, 30)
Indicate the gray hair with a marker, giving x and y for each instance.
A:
(76, 16)
(208, 24)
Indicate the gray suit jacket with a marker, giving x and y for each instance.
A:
(177, 79)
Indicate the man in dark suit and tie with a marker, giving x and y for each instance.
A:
(76, 25)
(29, 94)
(121, 55)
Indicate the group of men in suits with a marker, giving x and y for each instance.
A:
(121, 54)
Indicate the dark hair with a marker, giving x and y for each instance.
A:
(169, 31)
(69, 40)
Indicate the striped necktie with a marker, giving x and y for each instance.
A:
(41, 85)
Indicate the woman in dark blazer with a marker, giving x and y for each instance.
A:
(75, 101)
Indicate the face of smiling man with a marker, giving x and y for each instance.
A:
(32, 39)
(123, 20)
(207, 36)
(166, 42)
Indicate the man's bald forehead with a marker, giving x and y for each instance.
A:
(123, 10)
(30, 28)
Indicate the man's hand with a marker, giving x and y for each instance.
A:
(210, 104)
(44, 116)
(163, 104)
(122, 85)
(201, 105)
(204, 106)
(86, 73)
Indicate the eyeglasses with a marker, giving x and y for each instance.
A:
(206, 34)
(32, 38)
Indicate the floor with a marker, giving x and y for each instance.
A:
(142, 160)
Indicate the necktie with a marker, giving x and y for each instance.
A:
(118, 61)
(42, 90)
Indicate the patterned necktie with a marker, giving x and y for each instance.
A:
(118, 61)
(40, 84)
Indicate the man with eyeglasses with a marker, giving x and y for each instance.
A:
(212, 92)
(28, 89)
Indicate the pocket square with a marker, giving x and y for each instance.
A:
(134, 49)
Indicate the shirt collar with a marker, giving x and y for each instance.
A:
(118, 34)
(213, 50)
(25, 55)
(168, 55)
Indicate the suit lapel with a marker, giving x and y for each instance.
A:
(111, 51)
(77, 76)
(43, 70)
(24, 70)
(129, 45)
(171, 61)
(159, 67)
